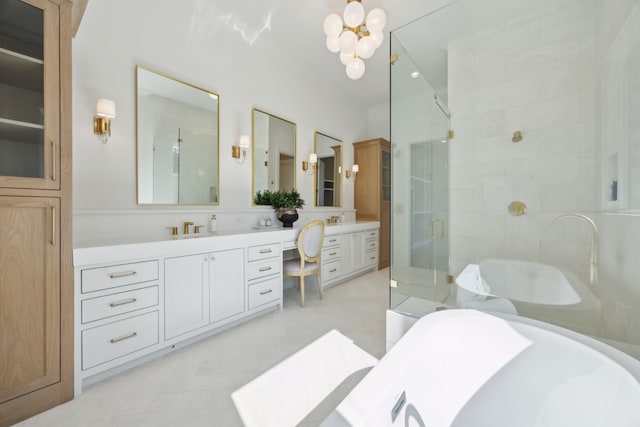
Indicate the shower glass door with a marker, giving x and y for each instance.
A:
(420, 196)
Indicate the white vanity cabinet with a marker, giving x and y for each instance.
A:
(264, 267)
(202, 289)
(227, 285)
(186, 294)
(352, 252)
(371, 248)
(129, 309)
(119, 310)
(331, 265)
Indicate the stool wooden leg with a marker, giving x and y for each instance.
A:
(301, 291)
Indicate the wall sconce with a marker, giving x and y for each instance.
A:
(313, 161)
(240, 151)
(354, 171)
(105, 111)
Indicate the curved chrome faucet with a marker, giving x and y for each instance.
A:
(593, 269)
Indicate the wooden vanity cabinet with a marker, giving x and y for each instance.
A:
(36, 272)
(372, 193)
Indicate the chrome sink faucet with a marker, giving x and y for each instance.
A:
(593, 268)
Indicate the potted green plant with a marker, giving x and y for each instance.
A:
(284, 202)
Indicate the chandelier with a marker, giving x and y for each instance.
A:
(355, 38)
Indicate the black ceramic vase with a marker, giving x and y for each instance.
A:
(287, 216)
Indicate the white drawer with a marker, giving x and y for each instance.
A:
(330, 241)
(263, 292)
(108, 342)
(371, 258)
(370, 245)
(263, 251)
(120, 303)
(255, 270)
(95, 279)
(371, 235)
(330, 271)
(331, 254)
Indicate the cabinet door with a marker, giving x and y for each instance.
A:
(226, 269)
(357, 250)
(30, 95)
(352, 252)
(186, 294)
(29, 294)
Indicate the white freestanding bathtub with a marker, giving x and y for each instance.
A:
(521, 281)
(466, 368)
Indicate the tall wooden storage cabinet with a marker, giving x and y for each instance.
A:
(36, 271)
(372, 194)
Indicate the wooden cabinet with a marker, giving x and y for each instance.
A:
(372, 194)
(36, 276)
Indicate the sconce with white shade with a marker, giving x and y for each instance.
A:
(239, 152)
(351, 174)
(105, 111)
(354, 37)
(313, 161)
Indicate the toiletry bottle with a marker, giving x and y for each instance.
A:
(268, 222)
(212, 224)
(342, 218)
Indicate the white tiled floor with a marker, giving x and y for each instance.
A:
(192, 386)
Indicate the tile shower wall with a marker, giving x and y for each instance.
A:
(535, 74)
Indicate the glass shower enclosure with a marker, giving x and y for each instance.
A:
(420, 220)
(528, 206)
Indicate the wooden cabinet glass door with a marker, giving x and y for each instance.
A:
(29, 94)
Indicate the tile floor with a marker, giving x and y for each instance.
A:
(192, 386)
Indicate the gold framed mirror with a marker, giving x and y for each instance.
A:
(177, 139)
(274, 152)
(328, 171)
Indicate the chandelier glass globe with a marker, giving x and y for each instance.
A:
(366, 47)
(333, 25)
(348, 42)
(353, 14)
(376, 20)
(355, 68)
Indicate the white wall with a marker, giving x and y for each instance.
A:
(169, 37)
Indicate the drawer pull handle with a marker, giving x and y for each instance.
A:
(372, 234)
(372, 258)
(372, 244)
(333, 253)
(265, 251)
(333, 240)
(333, 271)
(266, 292)
(122, 274)
(124, 337)
(264, 269)
(123, 302)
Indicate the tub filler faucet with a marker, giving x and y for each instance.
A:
(593, 267)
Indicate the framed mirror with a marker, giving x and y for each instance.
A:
(328, 185)
(177, 134)
(274, 152)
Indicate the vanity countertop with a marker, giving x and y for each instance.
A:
(110, 250)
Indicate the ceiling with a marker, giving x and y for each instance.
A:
(296, 26)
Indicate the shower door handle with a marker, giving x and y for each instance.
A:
(440, 235)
